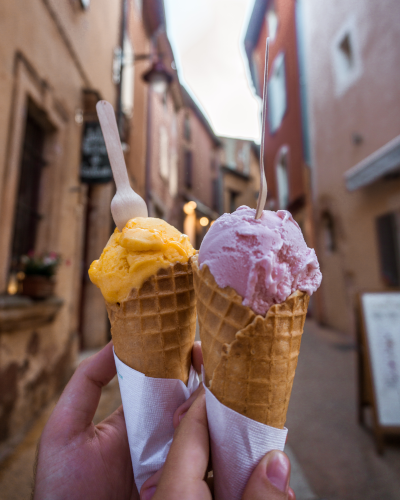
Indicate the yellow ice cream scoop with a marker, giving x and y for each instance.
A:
(130, 257)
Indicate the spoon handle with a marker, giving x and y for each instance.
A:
(109, 127)
(262, 197)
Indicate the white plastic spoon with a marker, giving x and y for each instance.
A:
(126, 204)
(262, 197)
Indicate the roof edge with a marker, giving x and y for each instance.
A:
(252, 35)
(190, 103)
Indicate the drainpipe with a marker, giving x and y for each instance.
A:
(148, 149)
(124, 15)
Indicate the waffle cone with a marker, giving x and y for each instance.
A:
(153, 330)
(249, 360)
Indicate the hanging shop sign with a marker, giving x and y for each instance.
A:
(379, 362)
(95, 165)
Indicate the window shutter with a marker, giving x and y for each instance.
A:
(388, 248)
(27, 216)
(188, 169)
(215, 195)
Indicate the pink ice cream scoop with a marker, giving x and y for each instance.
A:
(264, 260)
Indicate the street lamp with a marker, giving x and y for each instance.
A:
(189, 207)
(158, 77)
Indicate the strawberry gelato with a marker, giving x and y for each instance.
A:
(264, 260)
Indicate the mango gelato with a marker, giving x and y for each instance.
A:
(130, 257)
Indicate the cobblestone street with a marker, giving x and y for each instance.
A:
(332, 457)
(337, 456)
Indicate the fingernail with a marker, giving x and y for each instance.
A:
(278, 470)
(148, 494)
(182, 415)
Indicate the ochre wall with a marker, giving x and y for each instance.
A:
(370, 108)
(50, 52)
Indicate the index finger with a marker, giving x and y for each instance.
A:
(187, 460)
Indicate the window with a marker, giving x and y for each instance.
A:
(388, 232)
(346, 56)
(277, 101)
(127, 78)
(232, 200)
(186, 128)
(230, 153)
(164, 153)
(244, 158)
(164, 99)
(188, 166)
(27, 215)
(282, 179)
(158, 212)
(346, 53)
(329, 232)
(173, 175)
(139, 7)
(272, 22)
(215, 194)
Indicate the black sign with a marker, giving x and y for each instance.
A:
(95, 165)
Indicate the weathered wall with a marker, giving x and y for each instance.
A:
(50, 53)
(164, 151)
(205, 154)
(289, 132)
(137, 140)
(243, 177)
(370, 108)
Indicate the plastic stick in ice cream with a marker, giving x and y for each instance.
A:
(253, 279)
(145, 276)
(263, 181)
(126, 204)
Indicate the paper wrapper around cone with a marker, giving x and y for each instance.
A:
(249, 360)
(153, 330)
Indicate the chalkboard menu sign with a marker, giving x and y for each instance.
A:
(95, 165)
(380, 343)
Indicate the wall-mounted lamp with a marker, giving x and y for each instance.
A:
(158, 77)
(189, 207)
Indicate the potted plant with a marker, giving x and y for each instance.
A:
(39, 272)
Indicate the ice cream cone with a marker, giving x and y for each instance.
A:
(249, 360)
(153, 330)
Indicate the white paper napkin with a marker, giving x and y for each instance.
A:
(149, 405)
(237, 446)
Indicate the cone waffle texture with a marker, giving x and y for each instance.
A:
(249, 360)
(153, 330)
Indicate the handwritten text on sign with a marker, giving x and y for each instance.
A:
(382, 325)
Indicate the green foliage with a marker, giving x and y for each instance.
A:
(41, 265)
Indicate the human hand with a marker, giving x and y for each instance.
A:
(76, 459)
(183, 474)
(270, 479)
(184, 471)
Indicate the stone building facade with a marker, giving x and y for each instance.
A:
(353, 73)
(199, 163)
(239, 174)
(53, 55)
(286, 153)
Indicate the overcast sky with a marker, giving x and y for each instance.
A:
(206, 36)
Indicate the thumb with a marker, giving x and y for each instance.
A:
(270, 479)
